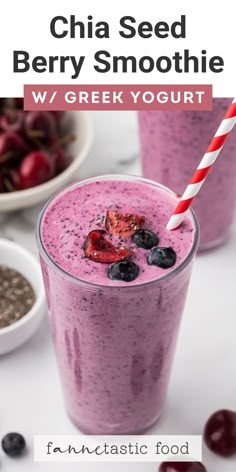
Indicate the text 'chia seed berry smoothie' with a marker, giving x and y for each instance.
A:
(116, 282)
(172, 144)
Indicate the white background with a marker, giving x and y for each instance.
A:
(204, 375)
(24, 25)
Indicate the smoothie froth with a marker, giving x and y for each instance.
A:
(75, 213)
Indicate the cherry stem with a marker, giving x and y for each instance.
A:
(12, 103)
(6, 156)
(36, 134)
(38, 143)
(69, 138)
(8, 185)
(12, 115)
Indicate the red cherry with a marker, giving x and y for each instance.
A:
(60, 159)
(57, 115)
(12, 120)
(58, 149)
(36, 167)
(40, 126)
(182, 467)
(123, 224)
(220, 433)
(99, 249)
(12, 148)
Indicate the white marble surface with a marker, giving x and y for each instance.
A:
(204, 373)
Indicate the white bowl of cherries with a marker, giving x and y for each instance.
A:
(40, 152)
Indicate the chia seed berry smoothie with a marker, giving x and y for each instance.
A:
(172, 145)
(116, 282)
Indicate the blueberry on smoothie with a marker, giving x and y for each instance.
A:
(145, 238)
(13, 444)
(164, 257)
(123, 270)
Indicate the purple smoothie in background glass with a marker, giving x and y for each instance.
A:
(172, 145)
(114, 340)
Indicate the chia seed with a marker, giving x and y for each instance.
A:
(16, 296)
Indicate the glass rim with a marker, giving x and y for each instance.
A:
(125, 177)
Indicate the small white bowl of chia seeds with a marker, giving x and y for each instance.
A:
(22, 296)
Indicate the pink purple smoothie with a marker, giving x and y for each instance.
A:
(74, 214)
(172, 144)
(115, 340)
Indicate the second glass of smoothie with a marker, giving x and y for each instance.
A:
(115, 338)
(172, 145)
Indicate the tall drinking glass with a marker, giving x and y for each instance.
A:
(172, 145)
(114, 340)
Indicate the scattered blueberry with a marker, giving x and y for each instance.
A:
(163, 257)
(13, 444)
(145, 238)
(123, 270)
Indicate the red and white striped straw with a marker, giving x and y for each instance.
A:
(204, 167)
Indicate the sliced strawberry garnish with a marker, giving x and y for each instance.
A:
(123, 224)
(99, 249)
